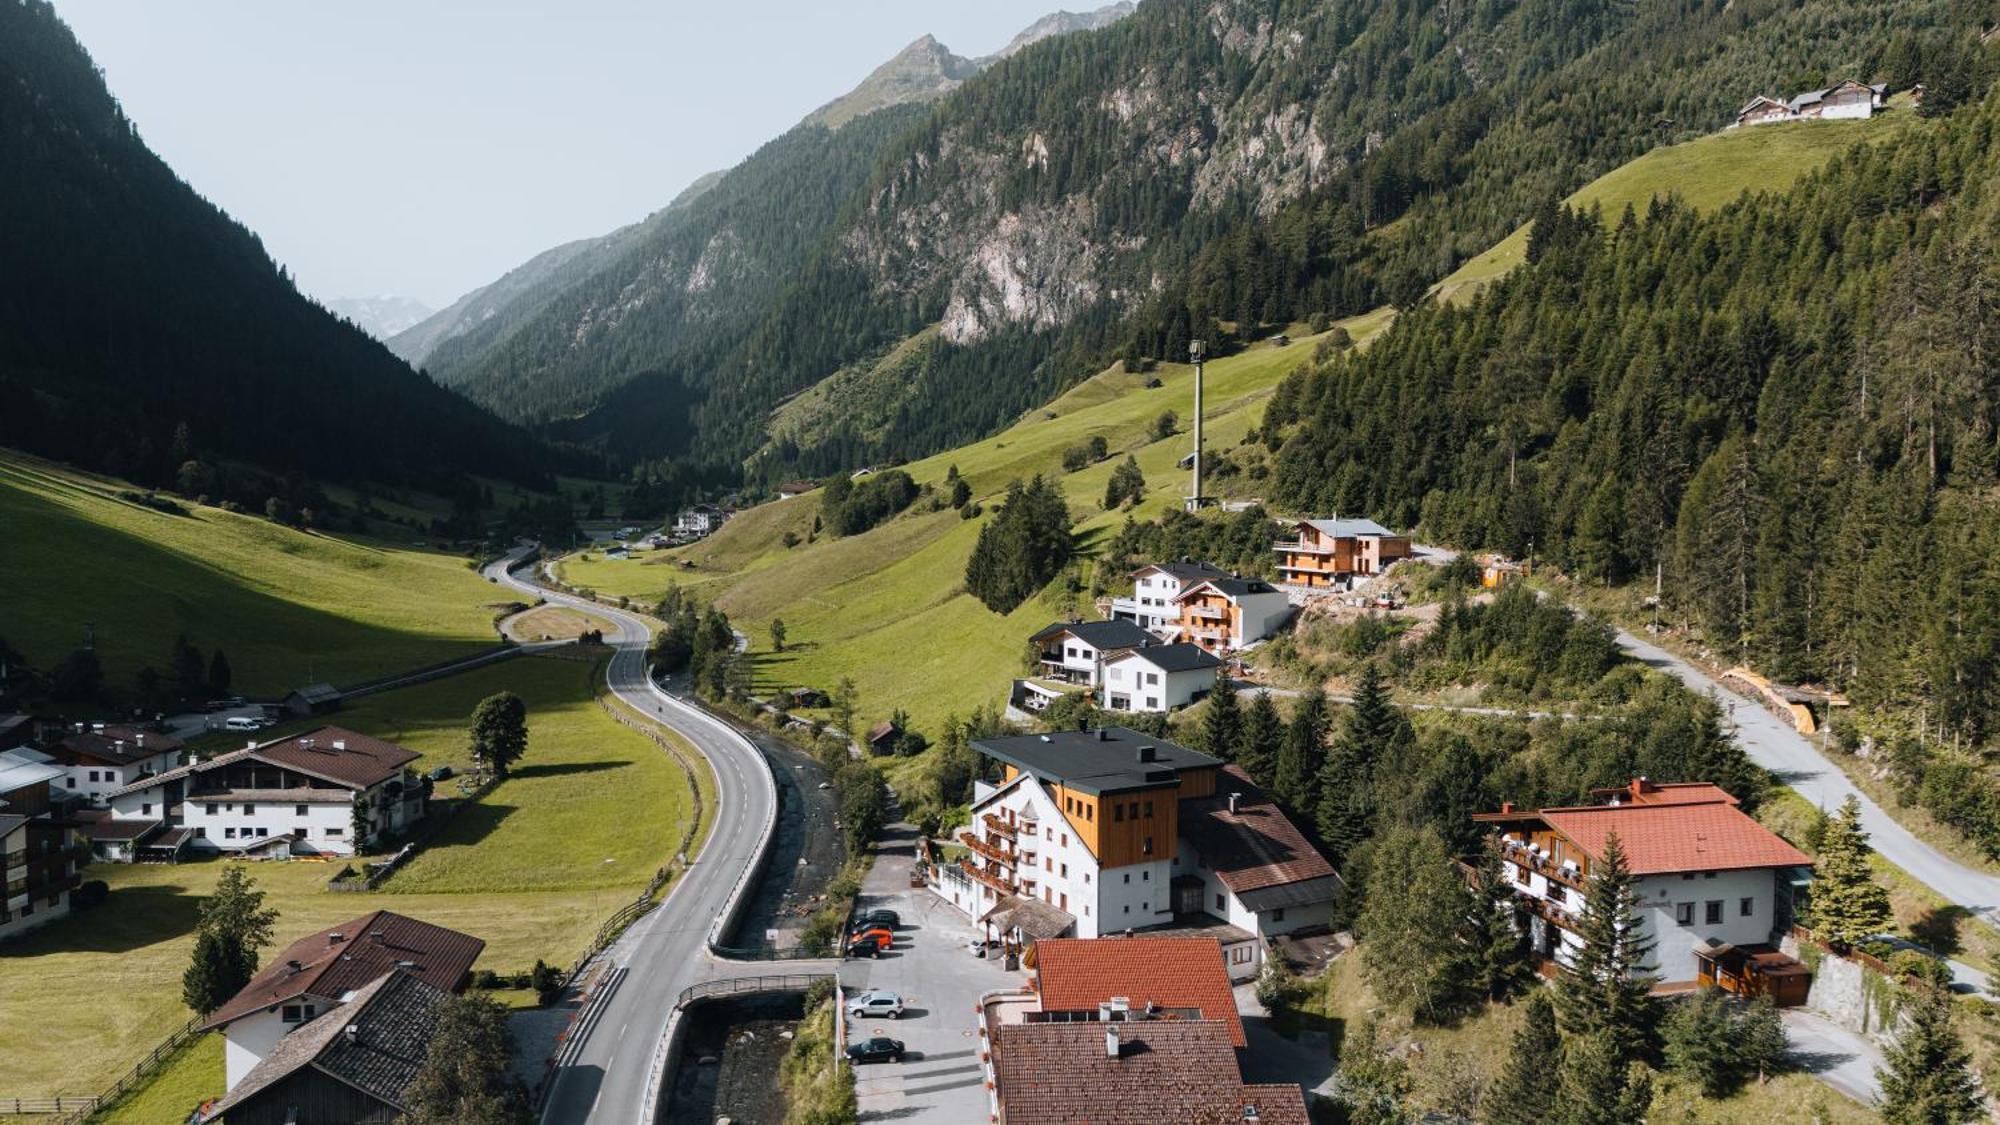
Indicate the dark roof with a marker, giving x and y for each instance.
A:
(333, 754)
(369, 946)
(1179, 657)
(1105, 760)
(98, 824)
(1187, 570)
(1165, 1071)
(119, 746)
(1102, 635)
(1036, 919)
(1229, 587)
(1256, 851)
(375, 1043)
(11, 821)
(318, 693)
(882, 730)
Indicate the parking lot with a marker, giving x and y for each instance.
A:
(940, 982)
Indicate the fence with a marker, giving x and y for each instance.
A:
(36, 1107)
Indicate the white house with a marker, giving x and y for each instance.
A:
(40, 852)
(301, 795)
(324, 970)
(1154, 588)
(1101, 831)
(697, 521)
(1161, 678)
(1714, 889)
(1075, 652)
(1227, 614)
(102, 760)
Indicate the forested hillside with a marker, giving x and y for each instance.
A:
(1789, 406)
(141, 328)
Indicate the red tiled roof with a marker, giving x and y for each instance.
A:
(369, 946)
(1643, 792)
(1078, 974)
(1665, 838)
(1255, 847)
(1165, 1071)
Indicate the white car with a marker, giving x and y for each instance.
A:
(875, 1004)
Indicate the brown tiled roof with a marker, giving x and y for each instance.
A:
(333, 754)
(369, 946)
(118, 746)
(392, 1020)
(1078, 974)
(1063, 1074)
(1254, 848)
(1662, 839)
(98, 824)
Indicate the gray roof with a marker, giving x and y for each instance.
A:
(1102, 635)
(1232, 587)
(1181, 657)
(11, 821)
(392, 1019)
(1187, 570)
(318, 693)
(1105, 760)
(1350, 528)
(23, 767)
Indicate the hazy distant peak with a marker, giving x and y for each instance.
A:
(919, 72)
(380, 317)
(1062, 23)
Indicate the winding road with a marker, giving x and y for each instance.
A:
(604, 1072)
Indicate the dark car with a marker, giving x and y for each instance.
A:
(879, 1049)
(887, 918)
(864, 947)
(442, 773)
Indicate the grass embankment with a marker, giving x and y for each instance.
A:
(887, 608)
(1465, 1059)
(289, 607)
(815, 1089)
(1706, 173)
(534, 869)
(554, 623)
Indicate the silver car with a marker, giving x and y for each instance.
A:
(875, 1004)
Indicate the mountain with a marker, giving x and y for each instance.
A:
(141, 328)
(1063, 23)
(380, 317)
(920, 72)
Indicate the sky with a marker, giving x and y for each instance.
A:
(424, 147)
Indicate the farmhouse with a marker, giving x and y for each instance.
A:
(1328, 553)
(1154, 588)
(309, 794)
(1075, 652)
(102, 760)
(40, 852)
(1227, 614)
(1847, 100)
(313, 699)
(318, 973)
(793, 488)
(1108, 830)
(1160, 678)
(1714, 890)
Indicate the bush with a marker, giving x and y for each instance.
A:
(546, 982)
(92, 893)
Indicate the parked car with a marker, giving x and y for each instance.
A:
(886, 1004)
(977, 947)
(879, 1049)
(442, 773)
(882, 936)
(242, 722)
(888, 918)
(861, 948)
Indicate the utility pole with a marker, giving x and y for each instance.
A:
(1195, 357)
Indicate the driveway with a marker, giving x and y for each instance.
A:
(1834, 1055)
(940, 983)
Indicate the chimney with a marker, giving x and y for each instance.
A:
(353, 1033)
(340, 744)
(1111, 1043)
(1506, 806)
(335, 938)
(1250, 1113)
(1233, 798)
(1148, 754)
(140, 738)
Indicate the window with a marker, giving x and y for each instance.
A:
(336, 831)
(1065, 871)
(1086, 878)
(146, 809)
(1684, 913)
(1118, 814)
(1146, 876)
(1128, 876)
(1065, 839)
(1745, 907)
(70, 781)
(1152, 679)
(1149, 809)
(1152, 702)
(1090, 813)
(201, 833)
(248, 808)
(93, 775)
(229, 833)
(1240, 955)
(299, 811)
(1278, 915)
(1147, 847)
(1687, 875)
(1708, 874)
(293, 1013)
(263, 832)
(1064, 903)
(1135, 810)
(1048, 863)
(211, 808)
(1128, 909)
(1712, 912)
(1218, 903)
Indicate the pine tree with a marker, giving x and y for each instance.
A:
(232, 926)
(465, 1077)
(1532, 1076)
(1345, 810)
(1603, 988)
(1414, 929)
(1848, 905)
(1504, 969)
(219, 675)
(1296, 780)
(1222, 726)
(1761, 1040)
(1929, 1078)
(214, 974)
(1598, 1086)
(1702, 1042)
(499, 731)
(1262, 736)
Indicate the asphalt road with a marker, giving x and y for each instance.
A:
(604, 1077)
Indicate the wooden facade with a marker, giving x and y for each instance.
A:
(1137, 826)
(1318, 558)
(1210, 619)
(311, 1097)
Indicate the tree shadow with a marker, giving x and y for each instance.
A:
(563, 769)
(1938, 928)
(472, 823)
(130, 918)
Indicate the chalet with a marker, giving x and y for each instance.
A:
(1761, 110)
(308, 794)
(1154, 588)
(40, 852)
(1227, 614)
(1328, 553)
(698, 521)
(1846, 101)
(1108, 830)
(351, 1064)
(313, 699)
(102, 760)
(318, 973)
(1075, 651)
(1160, 678)
(793, 488)
(1714, 890)
(1126, 1031)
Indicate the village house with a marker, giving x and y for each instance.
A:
(40, 853)
(1075, 651)
(1228, 614)
(313, 699)
(102, 760)
(698, 521)
(1329, 553)
(1713, 889)
(318, 973)
(1160, 678)
(351, 1064)
(1847, 100)
(322, 792)
(1154, 588)
(1126, 1032)
(793, 488)
(1103, 831)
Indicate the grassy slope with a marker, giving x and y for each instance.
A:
(534, 870)
(887, 608)
(287, 606)
(1706, 173)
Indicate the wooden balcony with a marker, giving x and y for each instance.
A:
(989, 851)
(981, 875)
(1521, 857)
(1000, 827)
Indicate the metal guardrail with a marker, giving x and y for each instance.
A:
(737, 986)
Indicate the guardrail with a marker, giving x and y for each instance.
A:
(668, 1054)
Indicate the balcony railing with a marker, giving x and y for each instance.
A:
(1207, 613)
(997, 855)
(995, 824)
(1300, 548)
(981, 875)
(1519, 855)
